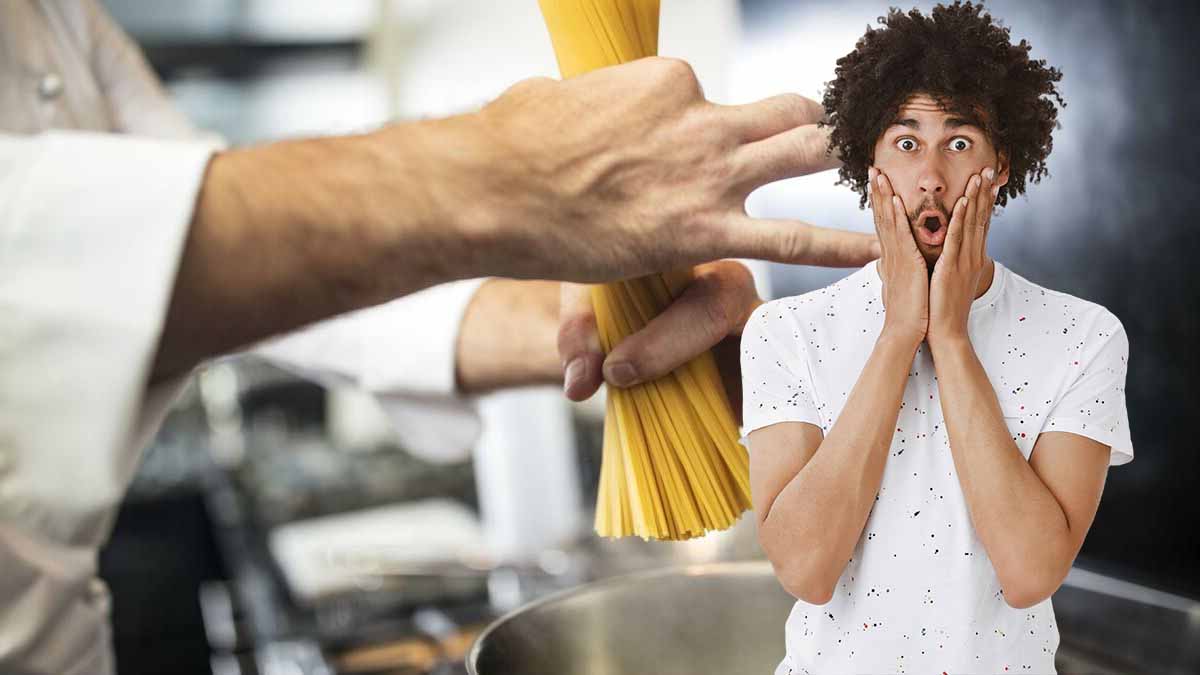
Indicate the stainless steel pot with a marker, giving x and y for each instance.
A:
(722, 618)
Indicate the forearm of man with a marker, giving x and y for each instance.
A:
(508, 336)
(288, 233)
(811, 529)
(1018, 520)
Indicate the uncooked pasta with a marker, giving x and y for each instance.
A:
(672, 467)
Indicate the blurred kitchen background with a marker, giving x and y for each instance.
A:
(282, 526)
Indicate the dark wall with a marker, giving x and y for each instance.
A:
(1115, 223)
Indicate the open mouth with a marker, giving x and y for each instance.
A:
(932, 226)
(932, 220)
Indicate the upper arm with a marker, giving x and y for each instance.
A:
(777, 453)
(1073, 468)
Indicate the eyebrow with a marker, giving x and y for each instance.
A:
(951, 123)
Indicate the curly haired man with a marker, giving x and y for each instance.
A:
(930, 436)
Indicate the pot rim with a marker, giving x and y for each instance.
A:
(732, 568)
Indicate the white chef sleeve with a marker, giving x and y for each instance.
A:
(404, 352)
(91, 231)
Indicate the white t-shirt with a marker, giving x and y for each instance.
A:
(919, 594)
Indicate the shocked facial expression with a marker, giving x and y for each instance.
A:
(929, 154)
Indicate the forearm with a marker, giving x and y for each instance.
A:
(811, 529)
(292, 232)
(508, 336)
(1018, 520)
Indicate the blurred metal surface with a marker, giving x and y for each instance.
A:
(726, 618)
(1120, 622)
(719, 619)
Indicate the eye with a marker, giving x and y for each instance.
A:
(960, 144)
(906, 144)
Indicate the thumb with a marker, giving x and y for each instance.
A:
(713, 306)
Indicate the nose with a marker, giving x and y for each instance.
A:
(932, 182)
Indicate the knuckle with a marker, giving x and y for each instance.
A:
(699, 229)
(793, 105)
(529, 86)
(796, 243)
(678, 71)
(801, 109)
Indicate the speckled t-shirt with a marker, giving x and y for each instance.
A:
(919, 594)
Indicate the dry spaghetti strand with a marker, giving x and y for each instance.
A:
(672, 467)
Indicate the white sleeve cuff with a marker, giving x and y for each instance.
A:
(92, 231)
(406, 347)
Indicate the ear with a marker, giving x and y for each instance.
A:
(1002, 167)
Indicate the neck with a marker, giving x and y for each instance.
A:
(985, 278)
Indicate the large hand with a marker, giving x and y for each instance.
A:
(904, 271)
(629, 170)
(715, 306)
(960, 267)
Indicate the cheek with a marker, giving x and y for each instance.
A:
(960, 178)
(903, 180)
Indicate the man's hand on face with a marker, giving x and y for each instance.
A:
(629, 170)
(902, 268)
(958, 271)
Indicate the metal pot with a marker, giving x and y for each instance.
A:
(723, 619)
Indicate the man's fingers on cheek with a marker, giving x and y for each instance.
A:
(886, 185)
(954, 238)
(987, 195)
(902, 232)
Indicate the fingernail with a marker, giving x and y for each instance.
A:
(976, 181)
(622, 373)
(879, 180)
(871, 173)
(575, 372)
(989, 173)
(996, 191)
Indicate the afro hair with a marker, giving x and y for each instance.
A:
(964, 60)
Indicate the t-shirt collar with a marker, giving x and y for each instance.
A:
(988, 298)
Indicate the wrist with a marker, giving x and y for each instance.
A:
(485, 195)
(948, 342)
(903, 338)
(425, 194)
(908, 336)
(508, 337)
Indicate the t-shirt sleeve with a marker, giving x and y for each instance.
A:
(776, 382)
(1094, 402)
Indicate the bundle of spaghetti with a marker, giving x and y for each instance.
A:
(672, 466)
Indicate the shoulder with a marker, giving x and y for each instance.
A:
(814, 307)
(1090, 322)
